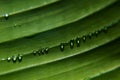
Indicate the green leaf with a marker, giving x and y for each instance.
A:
(71, 31)
(50, 17)
(59, 40)
(115, 74)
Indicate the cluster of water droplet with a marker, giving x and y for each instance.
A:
(15, 58)
(41, 51)
(83, 38)
(6, 16)
(71, 43)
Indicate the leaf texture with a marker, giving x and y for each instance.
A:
(60, 40)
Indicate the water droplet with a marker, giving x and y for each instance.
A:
(15, 25)
(39, 52)
(71, 44)
(6, 16)
(78, 41)
(90, 35)
(14, 58)
(46, 50)
(34, 52)
(42, 51)
(9, 59)
(99, 30)
(84, 38)
(62, 47)
(3, 59)
(19, 57)
(105, 29)
(96, 33)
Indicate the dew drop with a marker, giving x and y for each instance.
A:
(14, 58)
(46, 50)
(9, 59)
(99, 30)
(105, 29)
(42, 51)
(39, 52)
(71, 44)
(62, 47)
(3, 59)
(96, 33)
(90, 35)
(6, 16)
(15, 25)
(34, 52)
(78, 42)
(20, 57)
(84, 38)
